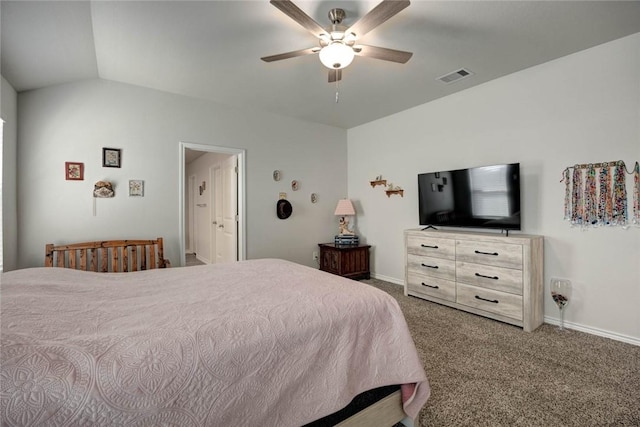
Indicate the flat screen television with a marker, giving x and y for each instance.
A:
(479, 197)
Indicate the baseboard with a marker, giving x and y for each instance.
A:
(594, 331)
(387, 279)
(551, 320)
(201, 259)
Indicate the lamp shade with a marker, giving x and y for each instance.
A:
(344, 208)
(336, 55)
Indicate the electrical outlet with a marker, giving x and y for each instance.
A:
(315, 256)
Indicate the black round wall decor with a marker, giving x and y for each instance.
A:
(283, 209)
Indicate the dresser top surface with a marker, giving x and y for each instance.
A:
(451, 234)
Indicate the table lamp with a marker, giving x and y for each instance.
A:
(343, 210)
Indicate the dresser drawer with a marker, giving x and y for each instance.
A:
(431, 266)
(431, 286)
(489, 253)
(497, 302)
(431, 246)
(490, 277)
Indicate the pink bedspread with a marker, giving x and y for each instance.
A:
(254, 343)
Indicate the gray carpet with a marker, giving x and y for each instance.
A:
(487, 373)
(192, 260)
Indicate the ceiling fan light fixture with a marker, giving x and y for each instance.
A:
(337, 35)
(336, 55)
(349, 38)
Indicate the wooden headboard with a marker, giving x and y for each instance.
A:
(108, 255)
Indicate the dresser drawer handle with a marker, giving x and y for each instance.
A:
(487, 253)
(428, 246)
(429, 266)
(495, 301)
(430, 286)
(487, 277)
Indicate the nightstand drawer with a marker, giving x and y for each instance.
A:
(497, 254)
(431, 286)
(432, 267)
(431, 246)
(502, 303)
(490, 277)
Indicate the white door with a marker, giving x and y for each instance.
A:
(217, 223)
(191, 208)
(226, 210)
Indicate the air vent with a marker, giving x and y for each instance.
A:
(455, 76)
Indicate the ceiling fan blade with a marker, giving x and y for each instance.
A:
(383, 53)
(291, 54)
(377, 15)
(335, 75)
(295, 13)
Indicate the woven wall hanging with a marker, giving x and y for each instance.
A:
(596, 195)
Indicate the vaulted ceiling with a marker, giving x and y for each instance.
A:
(212, 49)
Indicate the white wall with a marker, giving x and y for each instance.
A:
(73, 122)
(9, 113)
(578, 109)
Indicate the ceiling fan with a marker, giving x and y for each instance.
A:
(338, 44)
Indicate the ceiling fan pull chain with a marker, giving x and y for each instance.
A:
(337, 93)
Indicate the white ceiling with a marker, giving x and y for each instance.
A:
(212, 49)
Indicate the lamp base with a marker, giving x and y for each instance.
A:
(346, 239)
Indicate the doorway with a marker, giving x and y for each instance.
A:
(224, 240)
(235, 217)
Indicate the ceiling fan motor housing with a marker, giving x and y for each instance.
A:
(336, 16)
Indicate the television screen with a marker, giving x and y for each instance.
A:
(480, 197)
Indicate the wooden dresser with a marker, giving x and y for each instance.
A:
(491, 275)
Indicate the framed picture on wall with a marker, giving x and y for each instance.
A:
(74, 171)
(111, 157)
(136, 187)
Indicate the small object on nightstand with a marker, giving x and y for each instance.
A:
(346, 239)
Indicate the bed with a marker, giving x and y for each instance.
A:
(254, 343)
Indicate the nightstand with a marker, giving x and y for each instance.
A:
(351, 261)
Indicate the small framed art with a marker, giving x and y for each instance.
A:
(136, 187)
(74, 171)
(111, 157)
